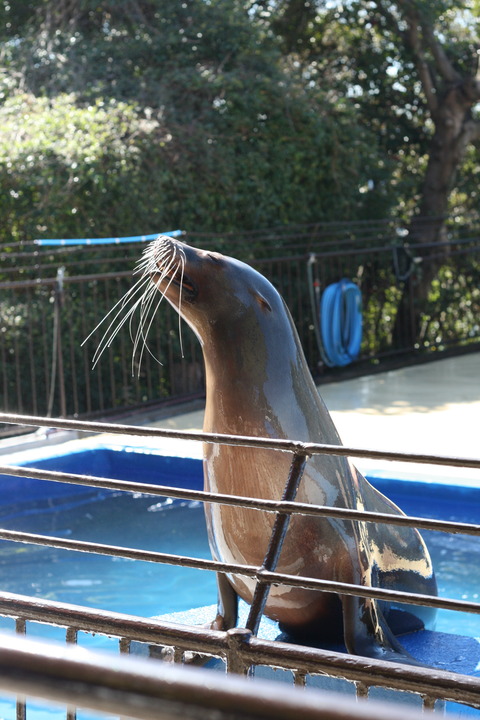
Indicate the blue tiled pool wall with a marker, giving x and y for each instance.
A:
(118, 464)
(416, 498)
(444, 501)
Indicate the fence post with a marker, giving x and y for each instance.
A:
(57, 353)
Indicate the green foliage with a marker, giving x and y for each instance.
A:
(124, 117)
(184, 116)
(132, 117)
(14, 18)
(231, 118)
(453, 309)
(101, 170)
(361, 49)
(64, 169)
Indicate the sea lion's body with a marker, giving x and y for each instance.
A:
(258, 384)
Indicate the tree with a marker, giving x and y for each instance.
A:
(139, 115)
(443, 45)
(411, 67)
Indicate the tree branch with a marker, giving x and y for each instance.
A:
(423, 68)
(476, 64)
(413, 39)
(444, 66)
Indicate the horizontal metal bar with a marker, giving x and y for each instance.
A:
(282, 506)
(52, 282)
(123, 552)
(296, 446)
(436, 683)
(160, 691)
(451, 686)
(275, 578)
(374, 673)
(104, 622)
(366, 251)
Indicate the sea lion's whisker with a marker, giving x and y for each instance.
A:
(143, 302)
(120, 306)
(182, 263)
(147, 303)
(120, 303)
(141, 334)
(148, 261)
(167, 265)
(165, 273)
(145, 266)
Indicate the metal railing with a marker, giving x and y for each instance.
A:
(157, 691)
(44, 369)
(240, 648)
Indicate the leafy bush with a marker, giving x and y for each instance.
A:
(102, 170)
(64, 169)
(136, 117)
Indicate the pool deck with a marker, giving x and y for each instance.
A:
(433, 408)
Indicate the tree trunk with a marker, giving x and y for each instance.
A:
(454, 130)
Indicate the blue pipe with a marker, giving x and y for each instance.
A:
(108, 241)
(341, 323)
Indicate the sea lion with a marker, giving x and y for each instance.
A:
(258, 384)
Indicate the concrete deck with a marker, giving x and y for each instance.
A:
(432, 408)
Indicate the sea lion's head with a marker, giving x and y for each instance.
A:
(228, 304)
(209, 289)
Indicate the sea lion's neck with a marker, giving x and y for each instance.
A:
(264, 388)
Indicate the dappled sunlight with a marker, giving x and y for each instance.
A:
(434, 386)
(431, 408)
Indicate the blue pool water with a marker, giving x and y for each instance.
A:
(116, 518)
(154, 523)
(116, 584)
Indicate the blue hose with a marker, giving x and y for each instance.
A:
(341, 323)
(108, 241)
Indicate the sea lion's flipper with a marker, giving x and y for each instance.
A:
(367, 633)
(227, 606)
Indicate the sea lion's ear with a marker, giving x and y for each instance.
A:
(264, 304)
(216, 257)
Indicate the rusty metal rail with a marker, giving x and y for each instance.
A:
(244, 440)
(156, 691)
(33, 375)
(239, 647)
(263, 575)
(281, 506)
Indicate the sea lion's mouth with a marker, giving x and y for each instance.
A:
(177, 277)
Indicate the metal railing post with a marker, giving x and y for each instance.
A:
(280, 527)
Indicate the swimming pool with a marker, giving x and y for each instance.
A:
(105, 516)
(154, 523)
(166, 525)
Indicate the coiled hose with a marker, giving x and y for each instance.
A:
(341, 323)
